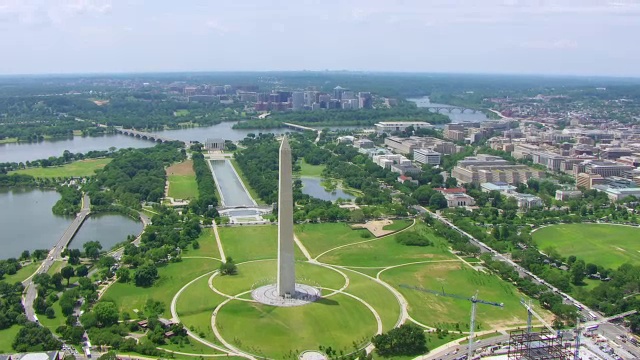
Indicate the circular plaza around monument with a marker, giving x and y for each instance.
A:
(268, 295)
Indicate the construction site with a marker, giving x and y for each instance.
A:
(581, 342)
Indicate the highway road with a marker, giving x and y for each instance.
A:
(53, 255)
(610, 331)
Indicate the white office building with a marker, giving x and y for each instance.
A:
(426, 156)
(391, 126)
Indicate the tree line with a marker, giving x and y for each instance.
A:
(137, 175)
(206, 188)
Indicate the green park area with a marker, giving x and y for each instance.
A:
(386, 251)
(80, 168)
(22, 274)
(252, 243)
(172, 277)
(318, 238)
(182, 181)
(458, 278)
(359, 278)
(398, 225)
(277, 332)
(310, 170)
(6, 338)
(601, 244)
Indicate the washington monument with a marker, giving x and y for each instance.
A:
(286, 262)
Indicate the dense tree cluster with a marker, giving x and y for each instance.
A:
(406, 340)
(16, 180)
(412, 238)
(33, 337)
(358, 171)
(70, 201)
(11, 310)
(9, 267)
(206, 187)
(259, 163)
(160, 243)
(137, 175)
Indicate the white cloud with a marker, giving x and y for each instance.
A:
(561, 44)
(50, 12)
(216, 26)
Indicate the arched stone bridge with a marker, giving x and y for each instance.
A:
(143, 135)
(450, 109)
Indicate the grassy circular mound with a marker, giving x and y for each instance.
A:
(601, 244)
(283, 332)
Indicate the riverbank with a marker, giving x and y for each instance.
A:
(8, 140)
(81, 168)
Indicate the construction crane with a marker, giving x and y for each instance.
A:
(474, 300)
(578, 331)
(531, 314)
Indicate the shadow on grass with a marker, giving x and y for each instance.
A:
(327, 301)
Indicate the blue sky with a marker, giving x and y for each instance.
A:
(577, 37)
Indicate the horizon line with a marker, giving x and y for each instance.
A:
(327, 71)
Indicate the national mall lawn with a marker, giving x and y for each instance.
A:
(601, 244)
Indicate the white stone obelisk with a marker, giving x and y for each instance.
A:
(286, 260)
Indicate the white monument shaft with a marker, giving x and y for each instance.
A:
(286, 261)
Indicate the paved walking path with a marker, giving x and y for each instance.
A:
(219, 242)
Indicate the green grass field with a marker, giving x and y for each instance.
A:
(379, 297)
(277, 331)
(244, 243)
(606, 245)
(54, 323)
(56, 266)
(443, 312)
(387, 252)
(182, 181)
(318, 238)
(208, 245)
(310, 170)
(195, 307)
(244, 180)
(172, 278)
(76, 168)
(6, 338)
(183, 187)
(398, 225)
(181, 112)
(265, 271)
(22, 274)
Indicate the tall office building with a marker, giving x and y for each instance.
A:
(297, 100)
(337, 92)
(366, 100)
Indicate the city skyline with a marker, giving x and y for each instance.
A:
(561, 37)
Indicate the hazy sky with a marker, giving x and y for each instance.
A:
(591, 37)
